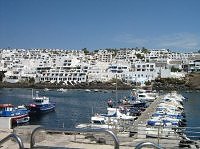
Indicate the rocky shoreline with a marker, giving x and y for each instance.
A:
(190, 82)
(92, 85)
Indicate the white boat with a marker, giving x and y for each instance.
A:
(46, 89)
(87, 90)
(168, 113)
(100, 122)
(110, 120)
(144, 95)
(120, 113)
(96, 90)
(62, 90)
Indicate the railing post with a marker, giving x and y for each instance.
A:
(116, 140)
(147, 144)
(158, 135)
(14, 136)
(32, 140)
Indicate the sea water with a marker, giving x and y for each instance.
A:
(77, 106)
(72, 106)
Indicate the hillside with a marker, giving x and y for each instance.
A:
(193, 81)
(190, 82)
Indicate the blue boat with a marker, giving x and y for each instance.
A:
(17, 115)
(41, 105)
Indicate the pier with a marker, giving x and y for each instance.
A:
(142, 119)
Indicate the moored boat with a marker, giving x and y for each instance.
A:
(17, 115)
(41, 105)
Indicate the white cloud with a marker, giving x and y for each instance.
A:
(180, 40)
(175, 41)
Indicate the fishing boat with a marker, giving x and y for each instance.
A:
(41, 104)
(17, 115)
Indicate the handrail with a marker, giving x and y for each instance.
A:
(147, 144)
(14, 136)
(109, 132)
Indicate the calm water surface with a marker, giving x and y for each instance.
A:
(77, 106)
(72, 107)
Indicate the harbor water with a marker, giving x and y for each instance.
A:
(72, 106)
(77, 106)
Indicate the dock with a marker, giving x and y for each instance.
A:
(142, 119)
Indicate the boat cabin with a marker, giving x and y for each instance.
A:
(97, 120)
(41, 100)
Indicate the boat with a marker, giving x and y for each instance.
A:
(144, 95)
(46, 89)
(41, 104)
(169, 112)
(23, 120)
(111, 120)
(96, 90)
(17, 115)
(100, 122)
(62, 90)
(87, 90)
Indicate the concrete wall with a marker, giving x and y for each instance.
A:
(5, 123)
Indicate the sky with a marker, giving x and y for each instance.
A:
(100, 24)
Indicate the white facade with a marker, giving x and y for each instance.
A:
(73, 66)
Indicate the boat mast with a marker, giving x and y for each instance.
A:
(32, 93)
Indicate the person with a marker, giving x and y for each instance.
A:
(110, 103)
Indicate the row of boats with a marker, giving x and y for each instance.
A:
(125, 111)
(21, 114)
(169, 116)
(168, 113)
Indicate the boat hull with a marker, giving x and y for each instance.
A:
(21, 119)
(41, 108)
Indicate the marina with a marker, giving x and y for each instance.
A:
(129, 135)
(99, 74)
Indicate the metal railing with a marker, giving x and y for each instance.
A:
(147, 144)
(15, 137)
(109, 132)
(168, 137)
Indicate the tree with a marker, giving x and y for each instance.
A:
(144, 50)
(96, 51)
(85, 51)
(139, 56)
(174, 69)
(147, 82)
(31, 80)
(2, 75)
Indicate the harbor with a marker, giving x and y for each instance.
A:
(130, 136)
(99, 74)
